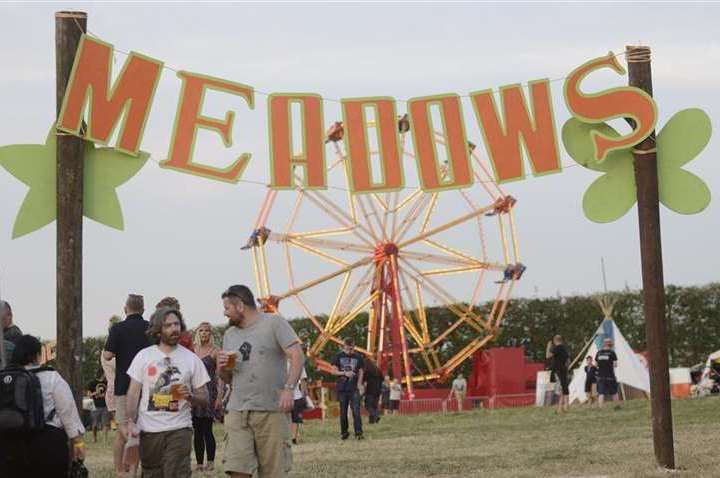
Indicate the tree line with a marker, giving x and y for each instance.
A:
(693, 318)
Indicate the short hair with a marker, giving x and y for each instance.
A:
(113, 320)
(557, 337)
(26, 350)
(241, 293)
(158, 319)
(588, 357)
(5, 307)
(135, 303)
(170, 302)
(349, 342)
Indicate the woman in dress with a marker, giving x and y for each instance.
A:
(203, 417)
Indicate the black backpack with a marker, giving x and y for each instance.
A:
(21, 400)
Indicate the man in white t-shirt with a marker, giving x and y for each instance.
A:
(169, 380)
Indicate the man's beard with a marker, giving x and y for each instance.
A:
(236, 320)
(171, 340)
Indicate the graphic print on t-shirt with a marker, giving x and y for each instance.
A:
(162, 374)
(605, 360)
(245, 350)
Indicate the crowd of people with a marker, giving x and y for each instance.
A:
(165, 388)
(600, 378)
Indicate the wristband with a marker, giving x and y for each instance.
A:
(79, 444)
(289, 387)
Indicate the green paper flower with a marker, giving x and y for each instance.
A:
(35, 165)
(613, 194)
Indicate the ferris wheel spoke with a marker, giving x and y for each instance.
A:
(421, 329)
(455, 222)
(337, 327)
(452, 252)
(320, 233)
(316, 252)
(451, 302)
(376, 215)
(338, 215)
(455, 361)
(335, 245)
(326, 278)
(450, 260)
(457, 270)
(368, 217)
(363, 285)
(412, 216)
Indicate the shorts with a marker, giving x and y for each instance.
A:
(394, 404)
(166, 453)
(257, 442)
(299, 406)
(562, 377)
(100, 418)
(607, 386)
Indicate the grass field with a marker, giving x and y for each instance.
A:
(523, 442)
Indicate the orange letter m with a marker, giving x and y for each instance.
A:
(131, 95)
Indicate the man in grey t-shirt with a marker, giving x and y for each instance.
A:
(257, 426)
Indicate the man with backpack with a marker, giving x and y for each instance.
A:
(35, 426)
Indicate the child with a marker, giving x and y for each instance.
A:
(590, 379)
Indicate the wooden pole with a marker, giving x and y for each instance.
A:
(646, 179)
(69, 27)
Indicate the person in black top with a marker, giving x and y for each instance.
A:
(126, 339)
(373, 386)
(606, 360)
(559, 357)
(590, 379)
(96, 389)
(349, 366)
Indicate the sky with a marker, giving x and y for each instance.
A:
(183, 233)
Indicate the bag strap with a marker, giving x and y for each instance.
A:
(41, 369)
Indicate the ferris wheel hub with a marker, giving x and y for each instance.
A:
(383, 250)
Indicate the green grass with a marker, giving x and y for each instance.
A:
(524, 442)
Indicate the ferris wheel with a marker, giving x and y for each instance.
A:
(378, 261)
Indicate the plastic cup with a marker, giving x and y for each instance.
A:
(231, 360)
(175, 391)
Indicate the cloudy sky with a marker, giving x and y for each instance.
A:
(183, 233)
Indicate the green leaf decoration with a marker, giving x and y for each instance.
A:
(35, 166)
(613, 194)
(680, 141)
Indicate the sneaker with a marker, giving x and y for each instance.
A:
(210, 466)
(360, 436)
(294, 441)
(344, 436)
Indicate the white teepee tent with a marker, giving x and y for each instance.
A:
(630, 370)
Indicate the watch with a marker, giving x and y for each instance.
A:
(289, 386)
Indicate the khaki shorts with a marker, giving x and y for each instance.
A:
(166, 454)
(257, 442)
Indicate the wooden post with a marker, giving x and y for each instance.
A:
(69, 27)
(646, 179)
